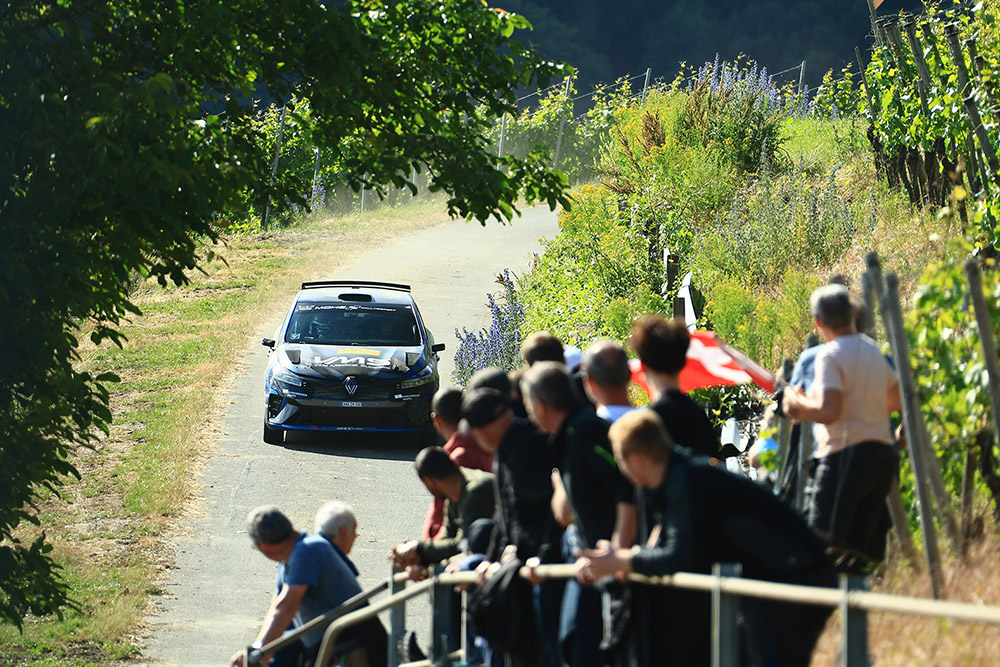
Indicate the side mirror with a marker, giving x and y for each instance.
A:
(437, 347)
(267, 342)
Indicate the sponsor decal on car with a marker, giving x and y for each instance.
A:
(360, 350)
(366, 362)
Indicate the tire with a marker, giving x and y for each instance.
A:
(273, 436)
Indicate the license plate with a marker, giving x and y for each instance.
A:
(350, 404)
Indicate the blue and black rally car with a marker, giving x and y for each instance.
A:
(350, 356)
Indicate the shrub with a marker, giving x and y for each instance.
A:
(500, 345)
(736, 109)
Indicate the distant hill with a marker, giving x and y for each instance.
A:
(605, 39)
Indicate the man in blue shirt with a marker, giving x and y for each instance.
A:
(314, 579)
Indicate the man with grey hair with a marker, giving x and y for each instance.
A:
(336, 522)
(606, 376)
(311, 578)
(850, 400)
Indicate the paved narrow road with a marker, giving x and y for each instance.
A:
(220, 588)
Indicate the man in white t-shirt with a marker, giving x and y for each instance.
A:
(854, 392)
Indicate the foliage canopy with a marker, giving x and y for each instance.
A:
(127, 132)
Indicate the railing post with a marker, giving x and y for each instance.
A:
(725, 610)
(854, 647)
(784, 423)
(442, 637)
(503, 134)
(912, 417)
(562, 122)
(312, 199)
(397, 621)
(645, 85)
(274, 166)
(469, 649)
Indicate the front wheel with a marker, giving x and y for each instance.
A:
(273, 436)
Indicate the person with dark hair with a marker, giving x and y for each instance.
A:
(542, 346)
(446, 413)
(851, 398)
(662, 348)
(312, 578)
(706, 515)
(589, 491)
(467, 495)
(524, 526)
(606, 376)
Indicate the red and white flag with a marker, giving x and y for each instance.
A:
(712, 363)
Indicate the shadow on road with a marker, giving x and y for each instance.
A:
(380, 446)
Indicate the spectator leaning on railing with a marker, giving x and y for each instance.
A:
(705, 515)
(446, 412)
(592, 491)
(468, 496)
(312, 578)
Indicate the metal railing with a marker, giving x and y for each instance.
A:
(725, 586)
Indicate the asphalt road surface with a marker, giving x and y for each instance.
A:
(220, 587)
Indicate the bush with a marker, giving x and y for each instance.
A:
(500, 345)
(786, 221)
(736, 109)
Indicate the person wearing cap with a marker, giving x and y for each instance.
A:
(521, 466)
(707, 515)
(446, 412)
(312, 578)
(662, 348)
(468, 496)
(524, 526)
(593, 494)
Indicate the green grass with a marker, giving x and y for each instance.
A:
(816, 145)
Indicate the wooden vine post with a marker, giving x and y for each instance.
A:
(913, 420)
(871, 292)
(990, 360)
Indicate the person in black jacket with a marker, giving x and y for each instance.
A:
(707, 515)
(589, 489)
(525, 527)
(662, 347)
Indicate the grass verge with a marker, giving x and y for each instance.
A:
(109, 528)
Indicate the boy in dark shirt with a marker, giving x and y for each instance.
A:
(662, 347)
(706, 516)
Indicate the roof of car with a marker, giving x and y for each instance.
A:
(343, 291)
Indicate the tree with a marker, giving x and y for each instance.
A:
(126, 135)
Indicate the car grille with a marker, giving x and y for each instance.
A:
(367, 388)
(409, 416)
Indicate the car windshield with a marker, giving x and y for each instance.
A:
(353, 324)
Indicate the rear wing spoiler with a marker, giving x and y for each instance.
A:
(355, 283)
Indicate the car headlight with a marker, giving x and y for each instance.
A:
(424, 378)
(286, 377)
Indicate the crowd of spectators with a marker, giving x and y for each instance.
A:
(554, 464)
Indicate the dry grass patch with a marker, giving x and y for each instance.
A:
(898, 640)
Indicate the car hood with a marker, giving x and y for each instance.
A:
(334, 362)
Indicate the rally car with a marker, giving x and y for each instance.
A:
(350, 356)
